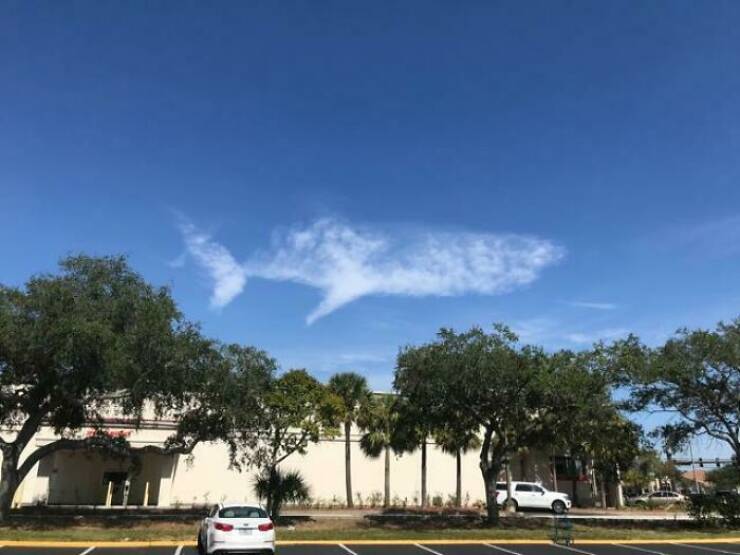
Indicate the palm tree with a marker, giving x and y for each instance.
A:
(352, 389)
(457, 442)
(378, 420)
(412, 430)
(276, 488)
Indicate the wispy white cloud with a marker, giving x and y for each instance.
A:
(356, 358)
(179, 261)
(594, 305)
(228, 276)
(554, 333)
(346, 263)
(596, 335)
(538, 330)
(718, 238)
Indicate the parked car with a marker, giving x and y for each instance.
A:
(659, 498)
(236, 528)
(529, 495)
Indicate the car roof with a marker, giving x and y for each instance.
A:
(228, 504)
(515, 482)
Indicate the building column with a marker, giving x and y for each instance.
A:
(167, 482)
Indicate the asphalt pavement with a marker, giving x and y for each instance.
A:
(675, 548)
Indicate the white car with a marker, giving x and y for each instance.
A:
(528, 495)
(236, 528)
(659, 498)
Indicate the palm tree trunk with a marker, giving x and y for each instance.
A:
(424, 473)
(458, 489)
(387, 498)
(348, 462)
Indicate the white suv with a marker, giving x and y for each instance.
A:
(533, 496)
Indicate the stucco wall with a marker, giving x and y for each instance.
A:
(205, 476)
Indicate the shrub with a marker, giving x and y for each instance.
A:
(278, 488)
(702, 507)
(728, 507)
(437, 501)
(375, 499)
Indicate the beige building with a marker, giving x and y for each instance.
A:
(85, 478)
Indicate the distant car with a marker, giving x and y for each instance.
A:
(236, 528)
(529, 495)
(659, 498)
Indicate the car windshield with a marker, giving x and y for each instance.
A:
(242, 512)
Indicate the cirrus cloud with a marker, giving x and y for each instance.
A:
(228, 276)
(346, 263)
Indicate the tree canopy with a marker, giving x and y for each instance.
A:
(93, 337)
(694, 376)
(295, 411)
(490, 382)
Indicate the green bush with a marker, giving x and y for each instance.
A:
(725, 507)
(278, 488)
(702, 507)
(728, 507)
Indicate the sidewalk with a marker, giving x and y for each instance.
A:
(575, 514)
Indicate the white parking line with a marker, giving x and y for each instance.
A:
(690, 546)
(502, 549)
(639, 549)
(178, 551)
(573, 549)
(88, 550)
(425, 548)
(347, 549)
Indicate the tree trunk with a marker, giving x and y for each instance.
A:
(458, 488)
(619, 501)
(387, 497)
(268, 497)
(9, 481)
(509, 501)
(490, 476)
(348, 462)
(594, 482)
(424, 500)
(574, 486)
(603, 492)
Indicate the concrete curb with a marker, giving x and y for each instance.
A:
(75, 544)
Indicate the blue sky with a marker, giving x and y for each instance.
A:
(332, 180)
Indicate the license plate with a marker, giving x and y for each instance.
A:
(245, 531)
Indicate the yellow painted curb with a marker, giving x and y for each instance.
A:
(76, 544)
(410, 542)
(155, 543)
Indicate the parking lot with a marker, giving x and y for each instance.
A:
(415, 549)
